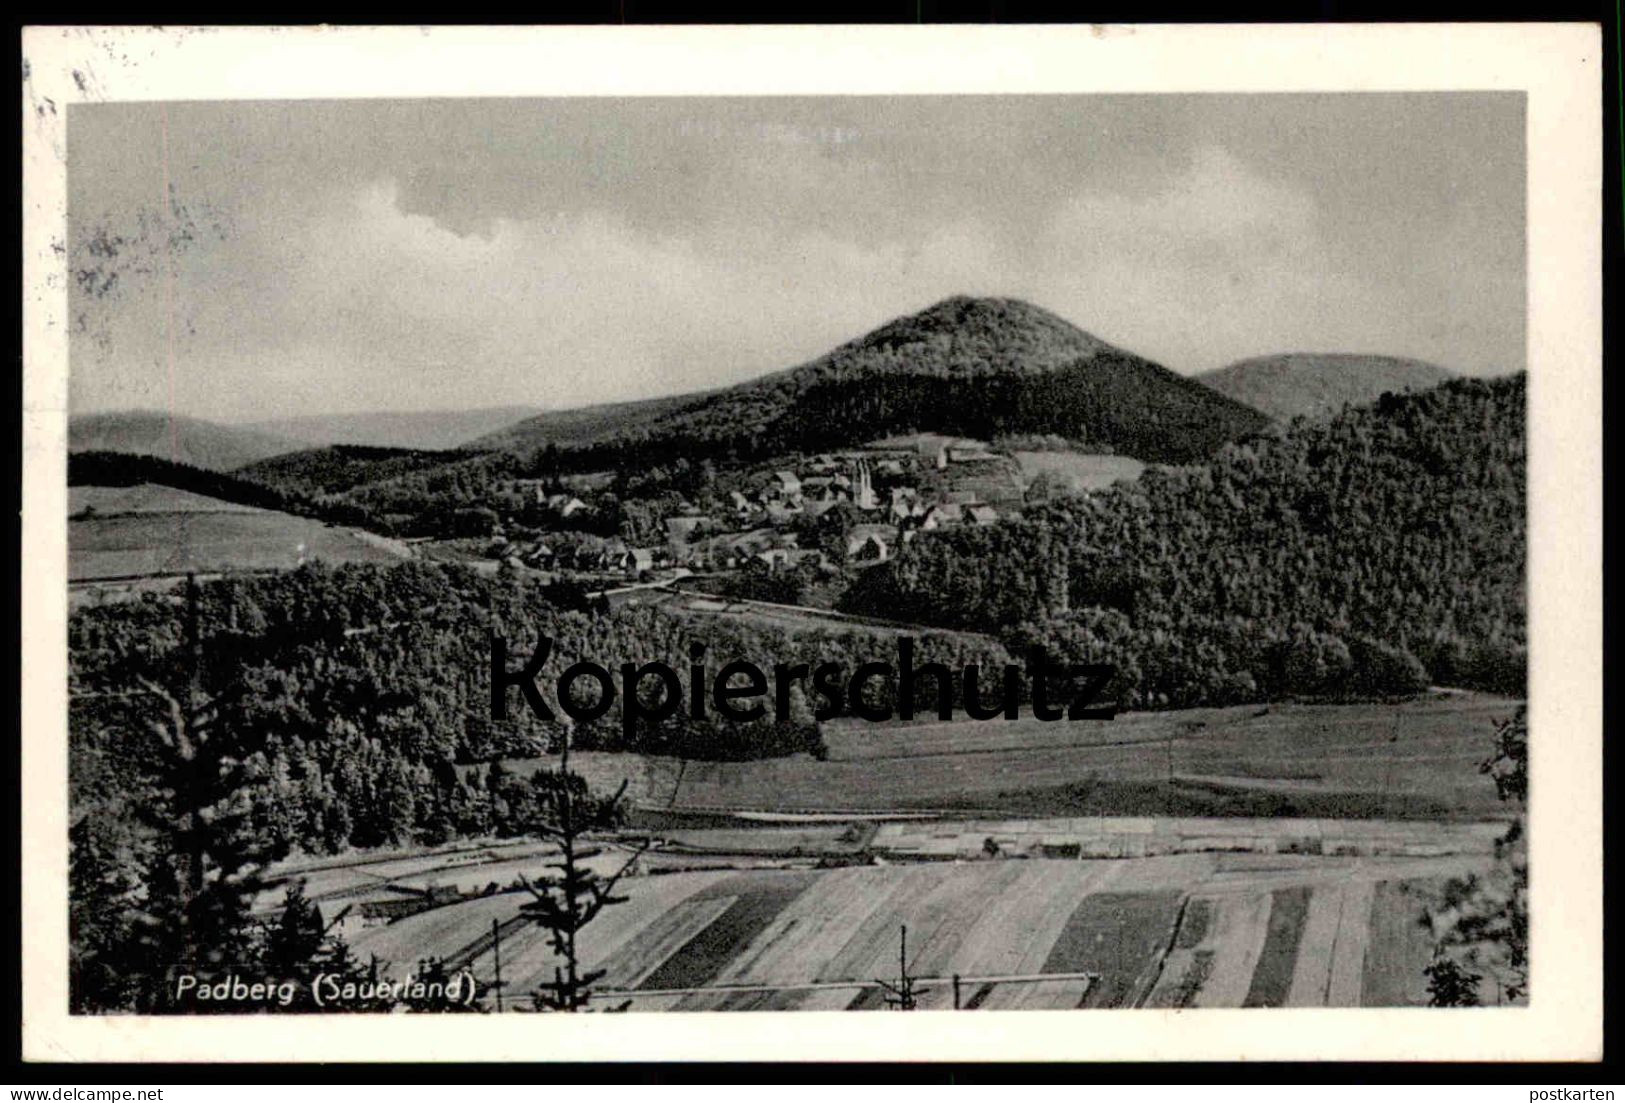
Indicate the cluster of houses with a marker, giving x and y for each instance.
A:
(776, 550)
(612, 556)
(753, 527)
(825, 481)
(561, 505)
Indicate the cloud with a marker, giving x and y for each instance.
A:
(381, 287)
(387, 309)
(1219, 262)
(1217, 201)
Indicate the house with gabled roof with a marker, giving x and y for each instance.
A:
(566, 505)
(820, 488)
(679, 530)
(638, 560)
(868, 547)
(778, 559)
(969, 453)
(905, 504)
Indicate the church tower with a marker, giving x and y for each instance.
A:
(864, 492)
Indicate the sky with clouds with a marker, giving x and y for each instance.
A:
(320, 257)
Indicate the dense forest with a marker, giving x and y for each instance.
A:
(341, 467)
(1363, 555)
(355, 691)
(1113, 402)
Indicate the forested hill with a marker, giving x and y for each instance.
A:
(971, 367)
(342, 467)
(186, 440)
(1366, 553)
(1313, 385)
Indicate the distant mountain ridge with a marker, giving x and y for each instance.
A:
(1316, 385)
(175, 437)
(416, 429)
(977, 367)
(582, 425)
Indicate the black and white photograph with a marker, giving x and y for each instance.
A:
(799, 553)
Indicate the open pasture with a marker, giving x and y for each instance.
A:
(1078, 470)
(813, 838)
(147, 498)
(155, 543)
(1416, 759)
(691, 599)
(1192, 931)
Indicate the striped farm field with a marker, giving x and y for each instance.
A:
(1192, 930)
(1278, 957)
(1122, 936)
(1387, 981)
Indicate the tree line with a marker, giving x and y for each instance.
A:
(125, 469)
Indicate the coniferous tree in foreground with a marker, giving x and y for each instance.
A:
(563, 810)
(100, 890)
(206, 864)
(300, 946)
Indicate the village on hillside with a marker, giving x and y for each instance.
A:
(819, 513)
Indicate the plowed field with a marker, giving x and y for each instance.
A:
(1202, 930)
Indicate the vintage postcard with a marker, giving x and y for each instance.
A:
(653, 543)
